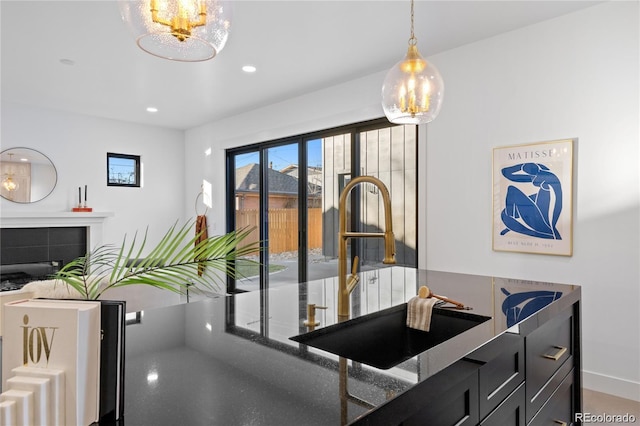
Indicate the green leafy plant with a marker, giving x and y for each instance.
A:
(177, 262)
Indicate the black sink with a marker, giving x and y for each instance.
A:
(383, 340)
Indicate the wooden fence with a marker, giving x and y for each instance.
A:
(283, 228)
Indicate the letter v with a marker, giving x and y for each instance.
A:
(47, 344)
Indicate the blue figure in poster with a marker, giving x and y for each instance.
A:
(518, 306)
(537, 214)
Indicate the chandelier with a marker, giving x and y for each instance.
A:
(413, 89)
(180, 30)
(7, 182)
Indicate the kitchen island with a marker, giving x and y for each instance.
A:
(229, 360)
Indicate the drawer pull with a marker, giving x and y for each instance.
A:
(560, 351)
(560, 422)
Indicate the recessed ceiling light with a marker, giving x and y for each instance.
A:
(249, 68)
(67, 62)
(152, 109)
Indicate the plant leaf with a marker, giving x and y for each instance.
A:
(171, 265)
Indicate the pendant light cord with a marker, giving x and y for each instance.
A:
(412, 40)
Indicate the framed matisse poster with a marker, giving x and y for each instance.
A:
(533, 198)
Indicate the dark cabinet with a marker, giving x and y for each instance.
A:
(502, 370)
(527, 377)
(510, 412)
(449, 397)
(548, 394)
(456, 406)
(549, 354)
(559, 409)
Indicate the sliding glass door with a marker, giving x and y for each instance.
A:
(288, 191)
(266, 198)
(245, 208)
(318, 264)
(282, 209)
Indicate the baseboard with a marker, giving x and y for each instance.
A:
(612, 385)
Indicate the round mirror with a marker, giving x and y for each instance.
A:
(27, 175)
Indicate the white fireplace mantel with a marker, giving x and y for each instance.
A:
(92, 220)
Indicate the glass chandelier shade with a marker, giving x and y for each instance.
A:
(180, 30)
(9, 184)
(413, 89)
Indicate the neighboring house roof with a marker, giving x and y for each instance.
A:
(292, 170)
(314, 177)
(248, 180)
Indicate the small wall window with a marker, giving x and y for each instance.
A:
(123, 170)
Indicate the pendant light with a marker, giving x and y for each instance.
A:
(180, 30)
(413, 89)
(8, 183)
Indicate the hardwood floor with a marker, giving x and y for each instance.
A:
(597, 403)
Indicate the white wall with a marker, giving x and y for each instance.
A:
(572, 77)
(356, 101)
(78, 146)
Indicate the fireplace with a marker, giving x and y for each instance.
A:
(14, 276)
(34, 246)
(30, 254)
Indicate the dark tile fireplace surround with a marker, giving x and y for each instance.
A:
(28, 254)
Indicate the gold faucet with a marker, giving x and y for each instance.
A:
(345, 288)
(311, 322)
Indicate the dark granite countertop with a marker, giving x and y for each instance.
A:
(229, 360)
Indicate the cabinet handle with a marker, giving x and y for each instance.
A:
(560, 351)
(560, 422)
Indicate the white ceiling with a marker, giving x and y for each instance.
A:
(297, 46)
